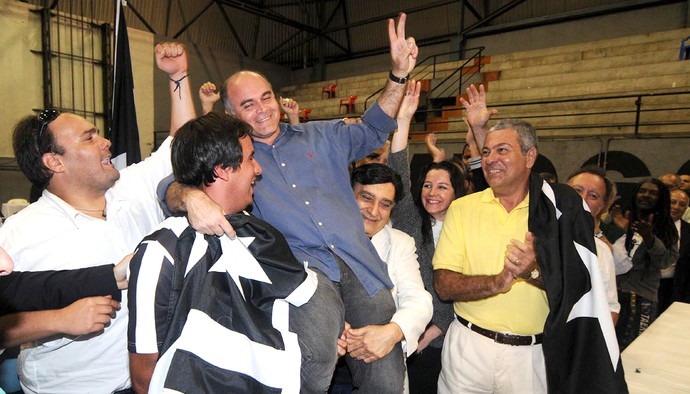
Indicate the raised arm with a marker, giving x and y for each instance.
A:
(171, 58)
(471, 140)
(477, 115)
(208, 95)
(291, 109)
(404, 54)
(405, 115)
(437, 154)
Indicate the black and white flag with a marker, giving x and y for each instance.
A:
(229, 329)
(124, 132)
(580, 347)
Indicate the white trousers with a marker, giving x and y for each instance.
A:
(473, 363)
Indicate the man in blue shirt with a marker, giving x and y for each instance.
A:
(305, 193)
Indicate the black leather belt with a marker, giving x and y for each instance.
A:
(499, 337)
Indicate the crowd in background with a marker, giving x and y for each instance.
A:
(347, 274)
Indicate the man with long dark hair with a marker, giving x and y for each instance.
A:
(649, 245)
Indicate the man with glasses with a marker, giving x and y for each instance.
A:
(89, 214)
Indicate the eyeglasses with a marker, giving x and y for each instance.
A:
(46, 116)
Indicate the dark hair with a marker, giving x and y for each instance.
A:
(611, 189)
(456, 180)
(464, 169)
(375, 174)
(662, 226)
(29, 149)
(204, 143)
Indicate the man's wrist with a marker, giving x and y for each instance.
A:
(397, 78)
(177, 75)
(398, 335)
(189, 196)
(532, 274)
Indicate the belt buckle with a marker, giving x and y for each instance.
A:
(514, 340)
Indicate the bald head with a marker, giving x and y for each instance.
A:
(685, 182)
(671, 180)
(249, 96)
(679, 203)
(235, 79)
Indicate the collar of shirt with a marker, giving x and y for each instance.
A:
(488, 196)
(113, 205)
(306, 194)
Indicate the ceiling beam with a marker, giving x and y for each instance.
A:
(500, 11)
(194, 19)
(150, 28)
(347, 26)
(274, 53)
(433, 40)
(569, 16)
(391, 15)
(348, 39)
(472, 9)
(232, 29)
(265, 13)
(167, 18)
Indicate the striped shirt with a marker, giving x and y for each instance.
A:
(217, 307)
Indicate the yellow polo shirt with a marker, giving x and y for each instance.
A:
(476, 231)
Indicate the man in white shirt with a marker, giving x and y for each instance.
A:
(89, 214)
(674, 279)
(598, 192)
(377, 187)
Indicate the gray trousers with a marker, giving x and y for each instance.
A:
(320, 322)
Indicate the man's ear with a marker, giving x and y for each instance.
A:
(53, 162)
(531, 157)
(222, 173)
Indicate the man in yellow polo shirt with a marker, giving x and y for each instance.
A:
(519, 259)
(485, 262)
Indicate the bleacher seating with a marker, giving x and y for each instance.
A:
(630, 65)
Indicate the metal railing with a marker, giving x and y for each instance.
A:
(632, 104)
(427, 69)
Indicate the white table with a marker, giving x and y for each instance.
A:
(658, 361)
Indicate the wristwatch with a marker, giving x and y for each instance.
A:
(396, 79)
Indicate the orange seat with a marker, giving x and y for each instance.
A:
(304, 114)
(349, 103)
(329, 89)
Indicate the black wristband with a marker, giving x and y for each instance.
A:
(177, 84)
(396, 79)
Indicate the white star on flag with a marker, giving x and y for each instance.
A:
(237, 261)
(593, 303)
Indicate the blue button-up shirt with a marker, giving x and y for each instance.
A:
(305, 193)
